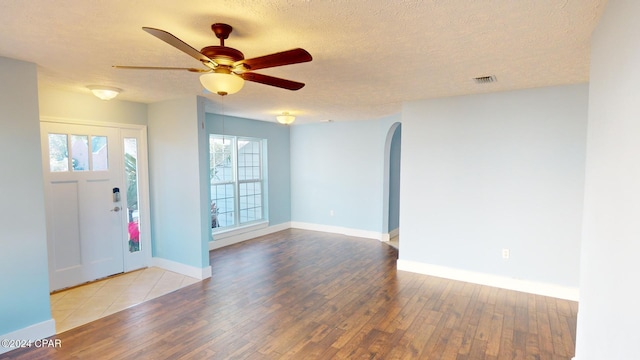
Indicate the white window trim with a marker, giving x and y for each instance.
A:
(238, 228)
(234, 231)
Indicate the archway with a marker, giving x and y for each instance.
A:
(391, 195)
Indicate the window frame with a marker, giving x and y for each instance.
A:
(236, 182)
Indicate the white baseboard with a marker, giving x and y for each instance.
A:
(337, 230)
(248, 235)
(532, 287)
(34, 332)
(390, 235)
(187, 270)
(234, 239)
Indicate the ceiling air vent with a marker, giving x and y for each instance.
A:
(485, 79)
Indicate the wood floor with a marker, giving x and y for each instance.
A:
(308, 295)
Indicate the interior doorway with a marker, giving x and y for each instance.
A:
(391, 216)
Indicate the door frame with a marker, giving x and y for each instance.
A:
(141, 259)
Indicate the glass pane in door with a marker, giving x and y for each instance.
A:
(80, 152)
(58, 153)
(99, 153)
(131, 171)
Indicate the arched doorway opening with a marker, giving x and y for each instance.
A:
(391, 203)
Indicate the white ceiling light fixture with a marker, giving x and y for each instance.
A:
(104, 92)
(222, 82)
(285, 118)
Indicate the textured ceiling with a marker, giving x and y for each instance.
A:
(368, 55)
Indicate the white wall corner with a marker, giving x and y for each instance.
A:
(248, 235)
(187, 270)
(532, 287)
(34, 332)
(338, 230)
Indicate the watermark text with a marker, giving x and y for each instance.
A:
(40, 343)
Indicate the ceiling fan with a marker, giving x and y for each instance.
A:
(225, 67)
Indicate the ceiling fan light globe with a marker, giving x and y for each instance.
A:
(221, 83)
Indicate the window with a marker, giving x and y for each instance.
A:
(131, 178)
(60, 144)
(236, 181)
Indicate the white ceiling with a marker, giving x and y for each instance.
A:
(368, 55)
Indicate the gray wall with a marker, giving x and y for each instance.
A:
(486, 172)
(24, 280)
(609, 295)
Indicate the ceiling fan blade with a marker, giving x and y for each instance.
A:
(273, 81)
(288, 57)
(161, 68)
(180, 45)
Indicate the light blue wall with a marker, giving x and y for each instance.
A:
(609, 293)
(339, 166)
(62, 104)
(394, 178)
(24, 279)
(204, 182)
(278, 161)
(178, 216)
(486, 172)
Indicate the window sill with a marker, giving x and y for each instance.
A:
(223, 234)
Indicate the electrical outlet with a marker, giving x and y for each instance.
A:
(330, 212)
(505, 254)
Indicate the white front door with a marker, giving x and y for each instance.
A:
(83, 170)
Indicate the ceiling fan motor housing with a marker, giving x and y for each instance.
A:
(222, 55)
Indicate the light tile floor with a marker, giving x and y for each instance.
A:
(86, 303)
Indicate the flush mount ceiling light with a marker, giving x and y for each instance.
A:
(104, 92)
(222, 82)
(285, 118)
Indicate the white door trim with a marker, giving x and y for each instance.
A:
(54, 119)
(143, 181)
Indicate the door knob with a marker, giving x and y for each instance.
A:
(116, 209)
